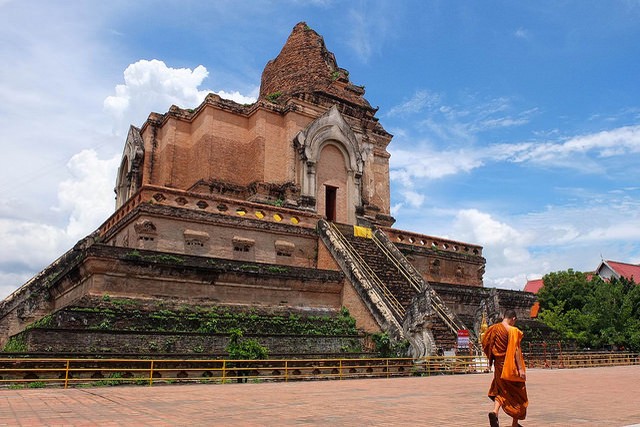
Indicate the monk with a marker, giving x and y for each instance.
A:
(501, 344)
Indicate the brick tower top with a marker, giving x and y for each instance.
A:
(305, 66)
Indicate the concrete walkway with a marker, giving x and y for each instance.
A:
(566, 397)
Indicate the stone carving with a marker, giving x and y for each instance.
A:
(481, 272)
(417, 325)
(145, 227)
(129, 177)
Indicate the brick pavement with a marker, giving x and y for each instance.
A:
(571, 397)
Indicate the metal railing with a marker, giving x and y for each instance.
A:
(61, 372)
(581, 360)
(20, 372)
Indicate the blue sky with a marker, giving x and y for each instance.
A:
(516, 124)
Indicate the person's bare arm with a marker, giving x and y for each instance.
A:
(521, 371)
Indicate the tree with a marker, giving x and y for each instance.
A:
(590, 311)
(249, 349)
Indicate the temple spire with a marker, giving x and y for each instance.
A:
(304, 65)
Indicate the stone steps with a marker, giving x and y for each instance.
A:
(397, 284)
(401, 289)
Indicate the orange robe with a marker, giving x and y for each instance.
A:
(507, 387)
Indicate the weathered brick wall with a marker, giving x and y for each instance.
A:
(325, 259)
(352, 301)
(445, 267)
(305, 65)
(174, 229)
(82, 341)
(466, 301)
(122, 272)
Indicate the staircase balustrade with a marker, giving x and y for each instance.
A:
(418, 283)
(377, 286)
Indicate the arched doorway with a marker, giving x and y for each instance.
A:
(332, 183)
(330, 167)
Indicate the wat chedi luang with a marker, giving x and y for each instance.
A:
(272, 217)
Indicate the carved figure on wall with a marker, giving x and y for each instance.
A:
(145, 227)
(434, 268)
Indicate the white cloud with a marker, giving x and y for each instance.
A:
(360, 40)
(423, 162)
(413, 198)
(557, 238)
(522, 33)
(29, 246)
(86, 200)
(369, 26)
(615, 142)
(501, 239)
(88, 197)
(153, 86)
(416, 103)
(396, 208)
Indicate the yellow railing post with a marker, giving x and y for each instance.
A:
(224, 371)
(387, 367)
(66, 375)
(151, 374)
(286, 371)
(340, 370)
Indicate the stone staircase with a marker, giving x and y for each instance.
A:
(381, 265)
(402, 282)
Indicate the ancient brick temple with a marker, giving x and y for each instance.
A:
(280, 208)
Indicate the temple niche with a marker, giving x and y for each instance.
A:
(280, 207)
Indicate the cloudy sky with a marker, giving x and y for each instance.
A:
(517, 124)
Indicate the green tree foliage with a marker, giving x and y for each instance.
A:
(248, 349)
(386, 347)
(592, 312)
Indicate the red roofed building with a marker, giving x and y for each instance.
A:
(533, 286)
(613, 269)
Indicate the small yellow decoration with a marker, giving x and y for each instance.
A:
(362, 232)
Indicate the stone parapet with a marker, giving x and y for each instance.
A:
(430, 242)
(220, 205)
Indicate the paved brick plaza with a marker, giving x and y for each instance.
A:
(570, 397)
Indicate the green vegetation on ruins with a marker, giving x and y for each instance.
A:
(273, 97)
(385, 347)
(134, 254)
(109, 313)
(245, 349)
